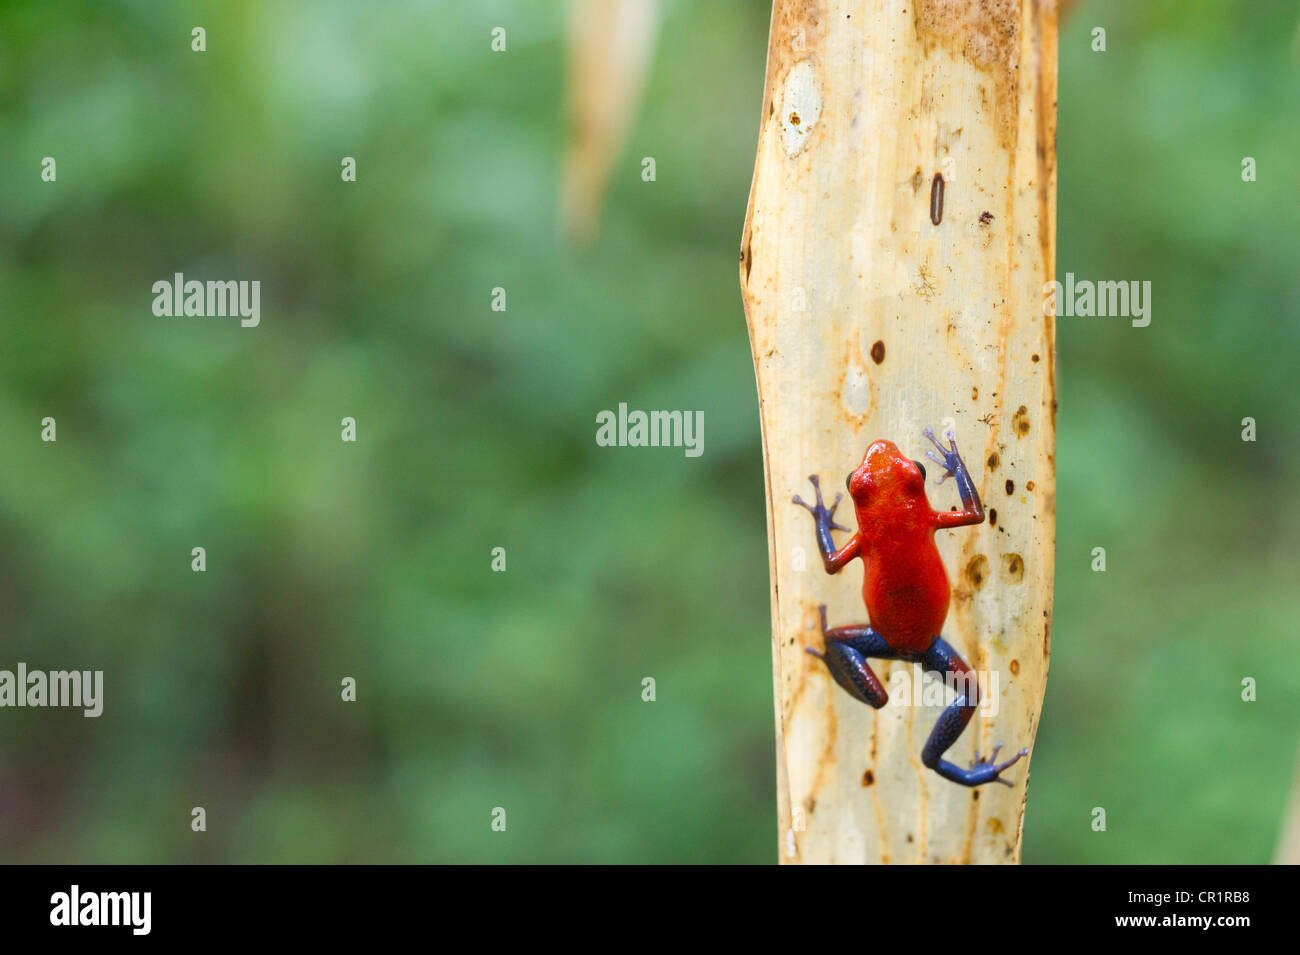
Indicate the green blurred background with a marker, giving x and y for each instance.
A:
(522, 689)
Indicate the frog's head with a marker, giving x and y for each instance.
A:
(886, 474)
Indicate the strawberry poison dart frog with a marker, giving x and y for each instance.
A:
(905, 590)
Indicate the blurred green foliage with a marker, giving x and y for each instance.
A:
(522, 689)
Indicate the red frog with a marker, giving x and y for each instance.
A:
(905, 589)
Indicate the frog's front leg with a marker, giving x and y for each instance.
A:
(847, 649)
(972, 511)
(832, 559)
(944, 660)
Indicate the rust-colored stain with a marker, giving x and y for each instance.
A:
(799, 24)
(1013, 566)
(857, 390)
(977, 571)
(1014, 667)
(974, 394)
(1020, 421)
(993, 461)
(1034, 357)
(987, 33)
(1045, 20)
(868, 777)
(1029, 485)
(918, 178)
(878, 352)
(994, 826)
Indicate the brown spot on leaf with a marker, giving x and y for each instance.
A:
(993, 461)
(1034, 357)
(868, 778)
(1014, 667)
(1020, 421)
(1029, 486)
(1011, 486)
(977, 571)
(878, 352)
(993, 517)
(1013, 565)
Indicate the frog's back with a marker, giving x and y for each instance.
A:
(906, 590)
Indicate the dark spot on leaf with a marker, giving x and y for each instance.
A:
(1014, 667)
(868, 778)
(977, 571)
(878, 352)
(1020, 421)
(1011, 486)
(993, 461)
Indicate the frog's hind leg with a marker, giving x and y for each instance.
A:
(944, 660)
(847, 649)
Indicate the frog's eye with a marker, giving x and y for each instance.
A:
(920, 467)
